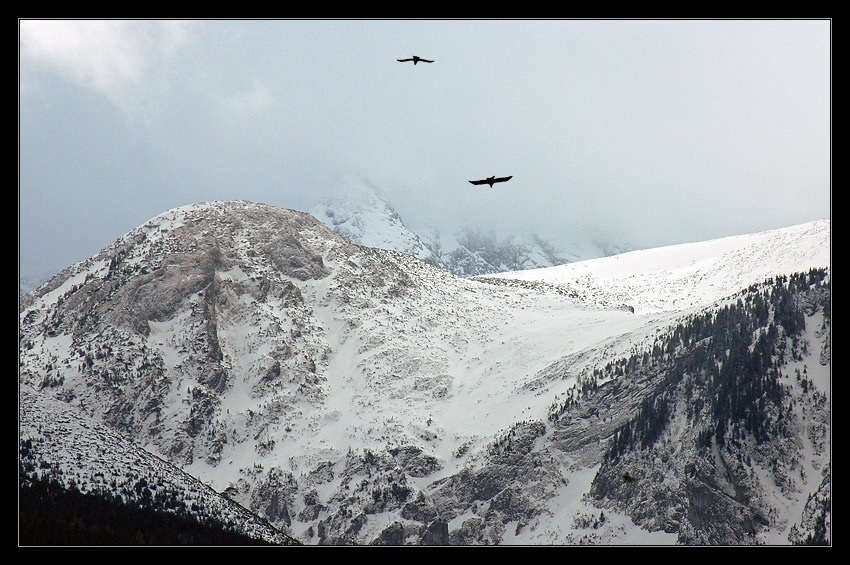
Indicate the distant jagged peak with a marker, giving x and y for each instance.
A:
(356, 210)
(355, 205)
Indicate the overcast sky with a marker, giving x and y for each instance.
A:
(643, 132)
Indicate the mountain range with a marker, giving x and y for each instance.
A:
(249, 366)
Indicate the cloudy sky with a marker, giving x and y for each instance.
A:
(642, 132)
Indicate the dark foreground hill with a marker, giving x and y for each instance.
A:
(49, 514)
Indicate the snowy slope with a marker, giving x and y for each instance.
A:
(679, 277)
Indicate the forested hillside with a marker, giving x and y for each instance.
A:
(730, 410)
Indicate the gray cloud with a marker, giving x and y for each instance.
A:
(644, 132)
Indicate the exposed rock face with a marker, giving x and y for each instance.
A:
(177, 268)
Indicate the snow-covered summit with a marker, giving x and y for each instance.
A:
(359, 213)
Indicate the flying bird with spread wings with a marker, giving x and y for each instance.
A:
(415, 60)
(491, 180)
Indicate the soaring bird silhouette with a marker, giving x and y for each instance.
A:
(415, 60)
(491, 180)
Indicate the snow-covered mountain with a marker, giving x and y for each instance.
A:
(351, 394)
(359, 213)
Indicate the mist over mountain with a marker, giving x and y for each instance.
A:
(357, 211)
(326, 391)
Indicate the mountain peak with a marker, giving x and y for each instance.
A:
(357, 211)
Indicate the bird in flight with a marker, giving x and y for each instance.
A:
(415, 60)
(491, 180)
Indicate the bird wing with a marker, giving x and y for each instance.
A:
(403, 60)
(503, 179)
(425, 60)
(485, 181)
